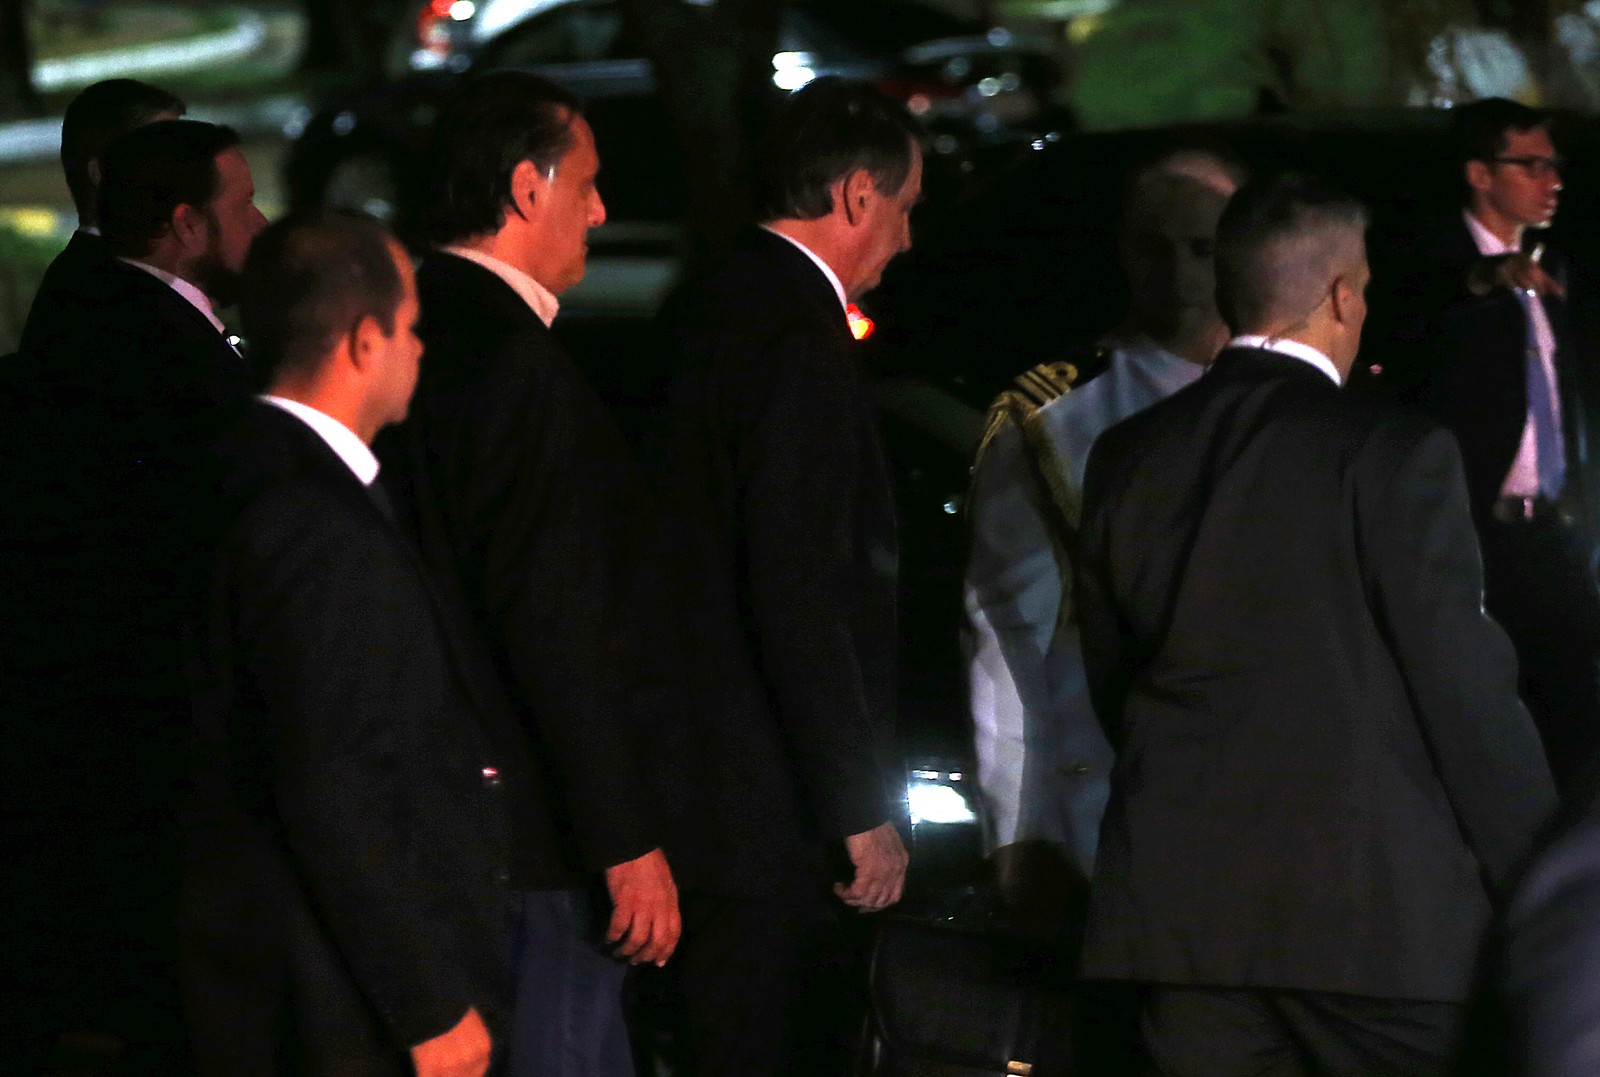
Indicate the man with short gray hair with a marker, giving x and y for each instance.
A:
(1324, 779)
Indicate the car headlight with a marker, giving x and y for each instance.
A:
(939, 797)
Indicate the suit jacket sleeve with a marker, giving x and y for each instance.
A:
(545, 477)
(1426, 585)
(800, 469)
(331, 648)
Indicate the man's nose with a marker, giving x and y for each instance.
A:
(597, 212)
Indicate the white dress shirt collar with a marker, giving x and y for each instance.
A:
(542, 301)
(827, 270)
(194, 295)
(1293, 348)
(91, 229)
(340, 438)
(1487, 242)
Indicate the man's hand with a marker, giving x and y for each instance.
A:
(880, 861)
(1518, 272)
(461, 1052)
(644, 920)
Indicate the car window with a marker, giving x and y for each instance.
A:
(571, 34)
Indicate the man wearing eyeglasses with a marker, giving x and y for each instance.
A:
(1502, 354)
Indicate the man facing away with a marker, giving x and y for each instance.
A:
(780, 535)
(97, 116)
(1503, 357)
(1043, 762)
(357, 775)
(517, 484)
(1324, 779)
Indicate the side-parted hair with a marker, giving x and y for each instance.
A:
(97, 116)
(489, 127)
(147, 173)
(1280, 244)
(824, 132)
(310, 278)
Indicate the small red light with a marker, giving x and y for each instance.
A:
(861, 326)
(442, 8)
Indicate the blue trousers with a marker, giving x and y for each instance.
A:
(568, 1018)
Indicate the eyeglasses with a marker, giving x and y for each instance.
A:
(1537, 166)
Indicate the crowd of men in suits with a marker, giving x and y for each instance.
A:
(368, 716)
(376, 707)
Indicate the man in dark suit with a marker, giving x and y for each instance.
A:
(93, 119)
(779, 533)
(344, 895)
(514, 478)
(126, 378)
(1324, 779)
(1503, 359)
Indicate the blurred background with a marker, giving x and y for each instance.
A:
(331, 95)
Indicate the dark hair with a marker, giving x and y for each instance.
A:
(147, 173)
(1279, 245)
(491, 125)
(98, 115)
(824, 132)
(1481, 130)
(309, 279)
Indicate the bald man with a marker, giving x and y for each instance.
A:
(1043, 763)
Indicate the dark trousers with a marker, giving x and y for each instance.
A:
(1222, 1032)
(764, 986)
(568, 991)
(1539, 587)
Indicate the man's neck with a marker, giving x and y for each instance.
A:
(1505, 230)
(340, 406)
(501, 247)
(821, 239)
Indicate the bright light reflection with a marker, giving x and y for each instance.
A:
(792, 78)
(462, 10)
(937, 804)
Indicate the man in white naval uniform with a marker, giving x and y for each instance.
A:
(1043, 762)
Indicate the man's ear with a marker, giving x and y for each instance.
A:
(1479, 176)
(527, 187)
(855, 190)
(1342, 294)
(366, 343)
(188, 225)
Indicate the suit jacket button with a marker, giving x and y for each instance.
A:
(491, 778)
(502, 876)
(1078, 770)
